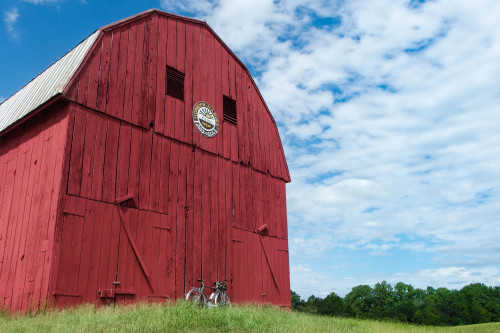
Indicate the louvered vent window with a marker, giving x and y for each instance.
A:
(230, 114)
(175, 83)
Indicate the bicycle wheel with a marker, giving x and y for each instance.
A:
(221, 299)
(195, 296)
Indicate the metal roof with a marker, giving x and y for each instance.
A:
(46, 85)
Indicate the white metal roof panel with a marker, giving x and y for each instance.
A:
(46, 85)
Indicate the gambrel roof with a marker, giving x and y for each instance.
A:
(45, 86)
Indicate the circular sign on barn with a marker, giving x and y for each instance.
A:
(205, 119)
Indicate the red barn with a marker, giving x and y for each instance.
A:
(141, 161)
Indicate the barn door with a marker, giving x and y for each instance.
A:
(258, 268)
(145, 262)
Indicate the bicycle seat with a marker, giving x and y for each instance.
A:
(201, 280)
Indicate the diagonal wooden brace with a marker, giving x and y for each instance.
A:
(136, 250)
(269, 263)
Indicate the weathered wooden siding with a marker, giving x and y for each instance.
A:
(201, 196)
(124, 77)
(130, 138)
(31, 161)
(116, 190)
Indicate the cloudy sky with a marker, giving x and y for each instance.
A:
(389, 111)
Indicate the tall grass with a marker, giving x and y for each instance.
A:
(183, 317)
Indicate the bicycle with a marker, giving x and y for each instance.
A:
(218, 298)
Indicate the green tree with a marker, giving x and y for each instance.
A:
(332, 305)
(296, 300)
(384, 305)
(359, 301)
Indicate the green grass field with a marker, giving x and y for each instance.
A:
(183, 317)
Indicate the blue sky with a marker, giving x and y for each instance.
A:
(389, 112)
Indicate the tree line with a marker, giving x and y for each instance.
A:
(474, 303)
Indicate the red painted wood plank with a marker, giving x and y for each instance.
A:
(137, 111)
(229, 224)
(210, 61)
(258, 218)
(109, 219)
(198, 214)
(160, 77)
(83, 85)
(225, 91)
(240, 109)
(155, 254)
(95, 64)
(188, 84)
(76, 159)
(109, 175)
(180, 65)
(221, 213)
(217, 72)
(76, 252)
(113, 104)
(142, 288)
(10, 162)
(152, 70)
(65, 255)
(102, 92)
(190, 171)
(121, 78)
(31, 211)
(160, 244)
(232, 77)
(84, 259)
(88, 155)
(123, 259)
(236, 193)
(93, 219)
(130, 72)
(170, 257)
(180, 264)
(35, 264)
(123, 159)
(133, 277)
(145, 170)
(214, 217)
(154, 189)
(144, 121)
(47, 193)
(59, 152)
(206, 218)
(9, 257)
(173, 197)
(26, 148)
(148, 288)
(197, 78)
(171, 42)
(164, 175)
(100, 149)
(234, 143)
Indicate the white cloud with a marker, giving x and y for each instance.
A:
(10, 18)
(41, 2)
(394, 129)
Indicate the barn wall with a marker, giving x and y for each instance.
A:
(31, 161)
(131, 140)
(202, 197)
(124, 77)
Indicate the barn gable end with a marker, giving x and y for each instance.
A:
(147, 204)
